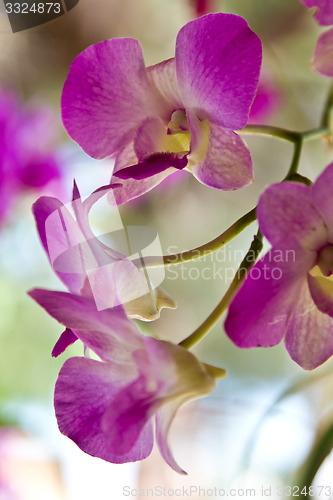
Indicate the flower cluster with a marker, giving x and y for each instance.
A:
(180, 114)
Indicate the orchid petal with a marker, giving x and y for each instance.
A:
(131, 188)
(106, 96)
(163, 78)
(134, 290)
(309, 337)
(152, 136)
(148, 306)
(84, 390)
(106, 332)
(131, 411)
(56, 229)
(322, 191)
(66, 339)
(153, 165)
(218, 61)
(164, 418)
(274, 284)
(156, 151)
(42, 208)
(322, 61)
(324, 10)
(227, 162)
(177, 371)
(287, 216)
(189, 379)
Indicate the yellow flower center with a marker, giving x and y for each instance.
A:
(178, 138)
(322, 272)
(325, 260)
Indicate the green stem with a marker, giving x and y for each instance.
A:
(207, 248)
(316, 133)
(291, 135)
(287, 135)
(321, 449)
(327, 118)
(300, 178)
(298, 146)
(216, 314)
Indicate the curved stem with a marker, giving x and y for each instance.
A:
(216, 314)
(290, 135)
(287, 135)
(298, 146)
(206, 249)
(300, 178)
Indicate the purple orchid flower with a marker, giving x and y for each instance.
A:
(106, 407)
(178, 114)
(90, 268)
(324, 10)
(289, 292)
(28, 157)
(322, 61)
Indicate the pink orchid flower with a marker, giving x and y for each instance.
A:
(90, 268)
(289, 292)
(178, 114)
(106, 406)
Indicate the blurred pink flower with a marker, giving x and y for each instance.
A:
(322, 61)
(28, 159)
(202, 7)
(266, 102)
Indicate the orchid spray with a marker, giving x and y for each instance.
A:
(188, 113)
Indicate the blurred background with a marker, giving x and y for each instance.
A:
(262, 426)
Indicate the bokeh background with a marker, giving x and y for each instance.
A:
(259, 427)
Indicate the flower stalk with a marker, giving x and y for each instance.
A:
(239, 277)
